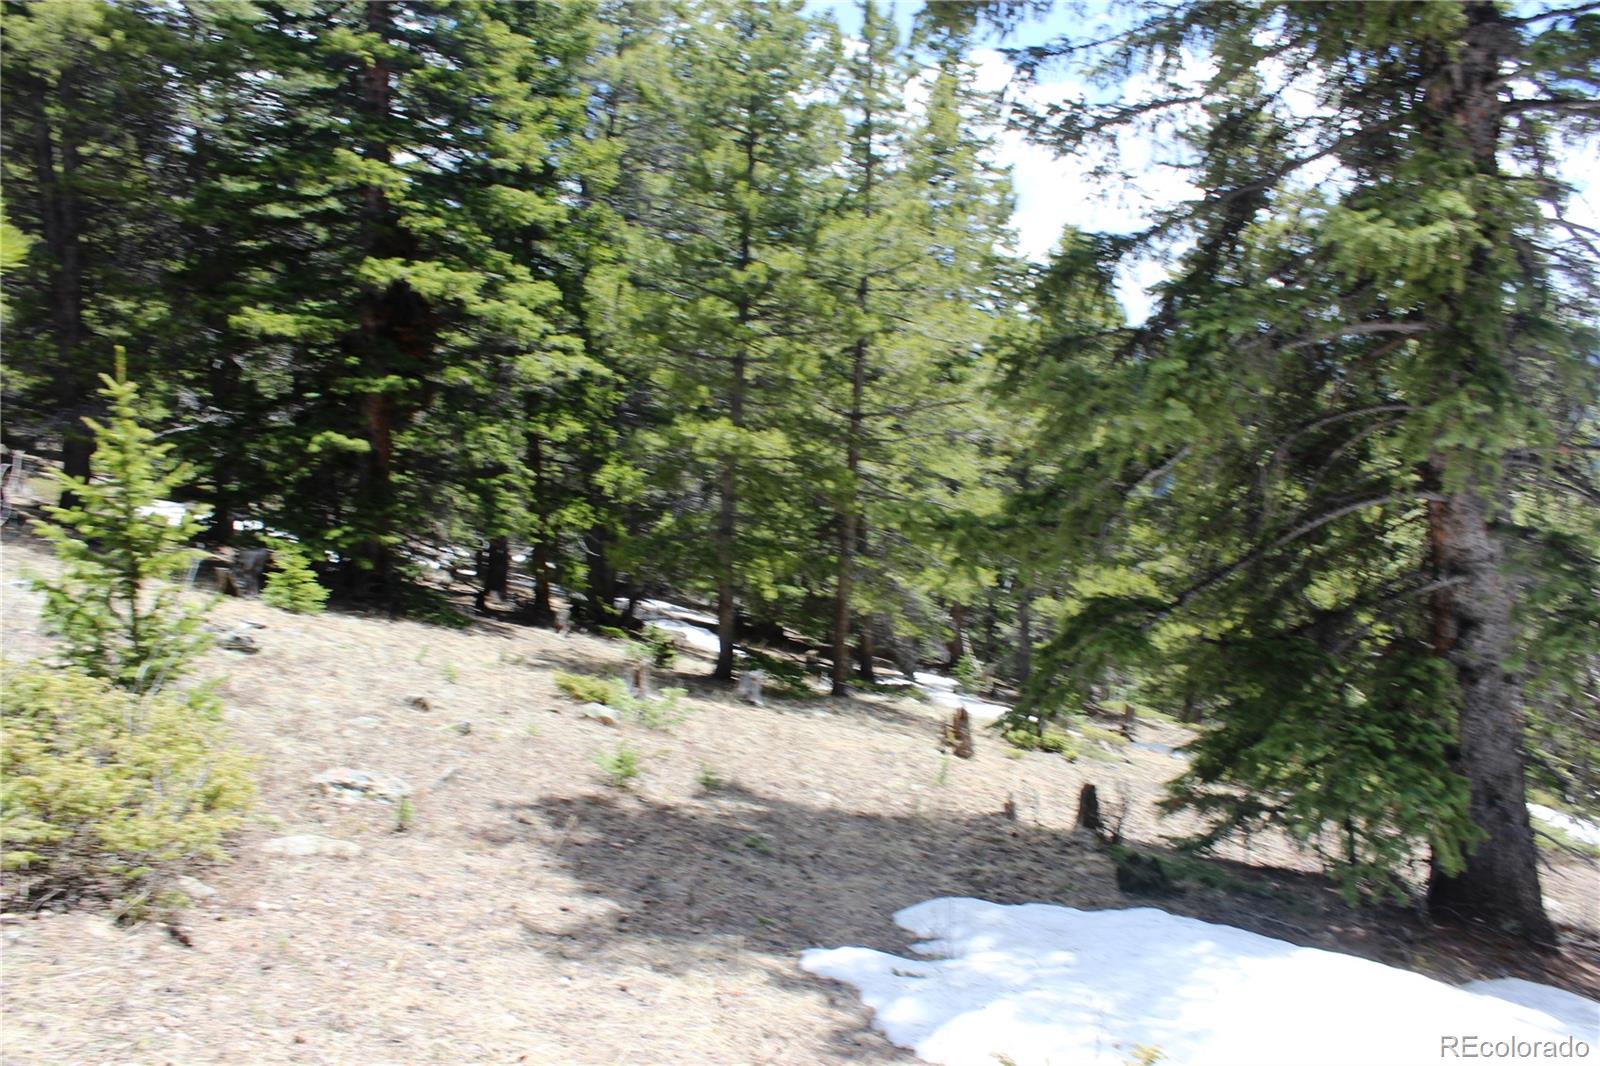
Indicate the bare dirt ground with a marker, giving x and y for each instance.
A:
(534, 913)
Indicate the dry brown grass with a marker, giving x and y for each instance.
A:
(533, 914)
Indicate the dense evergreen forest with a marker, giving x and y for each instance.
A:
(713, 300)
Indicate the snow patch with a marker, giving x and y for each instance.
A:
(170, 510)
(1039, 983)
(677, 612)
(1577, 1014)
(1576, 828)
(686, 635)
(941, 691)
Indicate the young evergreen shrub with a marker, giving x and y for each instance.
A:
(103, 789)
(293, 585)
(118, 605)
(663, 649)
(586, 689)
(663, 712)
(968, 673)
(785, 679)
(1050, 740)
(109, 775)
(620, 766)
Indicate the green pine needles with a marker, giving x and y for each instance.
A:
(118, 605)
(111, 778)
(293, 585)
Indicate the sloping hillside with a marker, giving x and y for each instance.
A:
(532, 911)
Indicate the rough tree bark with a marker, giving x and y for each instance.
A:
(956, 646)
(1474, 631)
(850, 518)
(600, 578)
(394, 322)
(539, 611)
(866, 651)
(1024, 634)
(1473, 625)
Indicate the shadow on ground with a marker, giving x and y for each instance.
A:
(773, 876)
(781, 876)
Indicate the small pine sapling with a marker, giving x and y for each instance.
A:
(292, 586)
(118, 605)
(620, 766)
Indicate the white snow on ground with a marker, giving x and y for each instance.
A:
(686, 635)
(1576, 828)
(1044, 985)
(667, 609)
(984, 710)
(171, 510)
(1579, 1015)
(942, 692)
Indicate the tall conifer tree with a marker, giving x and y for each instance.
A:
(1336, 462)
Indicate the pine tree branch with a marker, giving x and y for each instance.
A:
(1361, 329)
(1562, 104)
(1554, 13)
(1310, 525)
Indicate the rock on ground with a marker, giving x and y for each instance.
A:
(308, 845)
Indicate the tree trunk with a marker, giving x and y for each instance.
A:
(539, 611)
(496, 572)
(1473, 630)
(866, 650)
(728, 483)
(956, 646)
(727, 522)
(600, 580)
(1024, 633)
(394, 325)
(850, 512)
(60, 221)
(1473, 626)
(848, 525)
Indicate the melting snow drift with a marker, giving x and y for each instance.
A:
(1039, 984)
(1577, 828)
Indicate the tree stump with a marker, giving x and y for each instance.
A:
(249, 566)
(637, 678)
(958, 734)
(1089, 810)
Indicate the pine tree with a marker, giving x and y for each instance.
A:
(87, 137)
(407, 172)
(910, 259)
(725, 303)
(1313, 466)
(292, 585)
(118, 606)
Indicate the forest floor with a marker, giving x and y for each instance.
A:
(532, 912)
